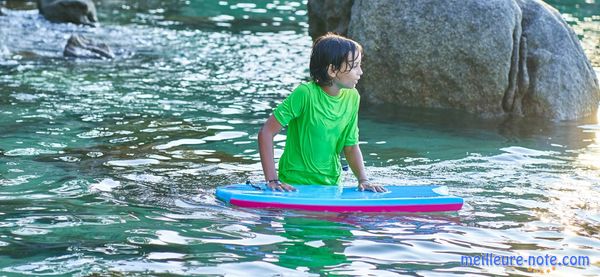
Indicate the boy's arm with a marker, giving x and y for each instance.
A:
(355, 160)
(267, 159)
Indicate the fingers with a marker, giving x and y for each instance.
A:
(373, 188)
(381, 189)
(378, 188)
(288, 187)
(281, 187)
(276, 187)
(272, 186)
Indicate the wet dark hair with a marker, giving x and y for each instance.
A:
(332, 49)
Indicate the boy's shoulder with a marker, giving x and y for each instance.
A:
(304, 88)
(352, 92)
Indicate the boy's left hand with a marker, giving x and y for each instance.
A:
(371, 187)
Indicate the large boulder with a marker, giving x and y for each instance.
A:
(557, 79)
(491, 57)
(81, 47)
(74, 11)
(329, 16)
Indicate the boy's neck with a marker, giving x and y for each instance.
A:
(332, 90)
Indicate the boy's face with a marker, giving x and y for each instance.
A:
(345, 78)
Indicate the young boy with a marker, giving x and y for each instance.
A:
(322, 120)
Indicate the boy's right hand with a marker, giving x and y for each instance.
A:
(278, 186)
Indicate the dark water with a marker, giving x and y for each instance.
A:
(110, 166)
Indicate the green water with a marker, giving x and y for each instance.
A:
(109, 167)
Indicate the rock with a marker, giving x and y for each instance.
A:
(80, 47)
(493, 58)
(555, 78)
(328, 16)
(74, 11)
(423, 54)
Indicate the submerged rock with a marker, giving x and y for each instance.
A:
(74, 11)
(80, 47)
(496, 57)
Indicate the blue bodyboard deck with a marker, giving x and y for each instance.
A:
(343, 199)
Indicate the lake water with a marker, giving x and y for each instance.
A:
(110, 167)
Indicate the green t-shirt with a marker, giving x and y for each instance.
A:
(319, 126)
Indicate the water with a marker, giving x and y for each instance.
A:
(110, 167)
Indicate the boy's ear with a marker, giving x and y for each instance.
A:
(331, 72)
